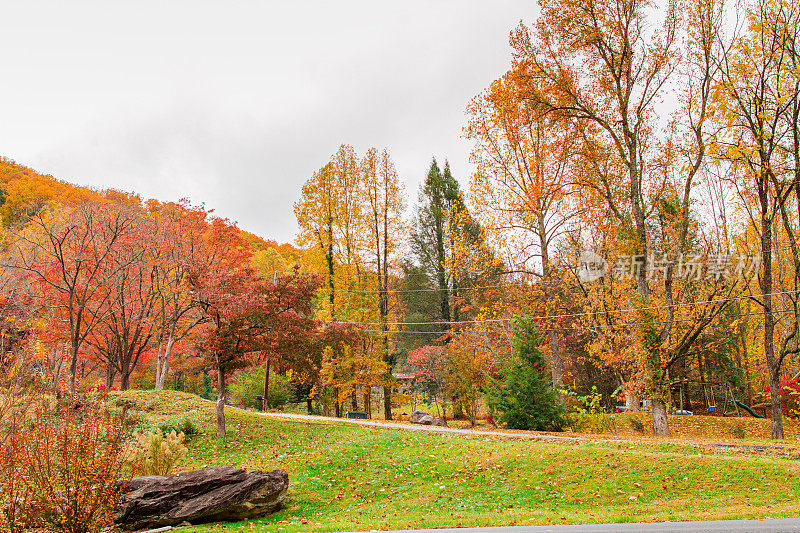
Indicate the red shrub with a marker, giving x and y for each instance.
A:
(70, 461)
(790, 396)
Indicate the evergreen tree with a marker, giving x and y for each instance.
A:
(421, 303)
(429, 239)
(448, 245)
(524, 396)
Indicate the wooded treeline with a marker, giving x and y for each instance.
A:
(658, 141)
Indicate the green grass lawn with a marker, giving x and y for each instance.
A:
(345, 477)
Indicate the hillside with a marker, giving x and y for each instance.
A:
(349, 478)
(24, 190)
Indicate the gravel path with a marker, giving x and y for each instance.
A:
(418, 427)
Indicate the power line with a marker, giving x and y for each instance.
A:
(571, 315)
(591, 328)
(404, 291)
(401, 291)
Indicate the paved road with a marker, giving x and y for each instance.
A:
(777, 525)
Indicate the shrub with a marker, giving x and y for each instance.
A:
(185, 426)
(636, 425)
(790, 396)
(70, 462)
(19, 381)
(591, 423)
(156, 453)
(525, 398)
(165, 402)
(590, 403)
(14, 505)
(248, 384)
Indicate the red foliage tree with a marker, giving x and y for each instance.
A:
(790, 396)
(126, 320)
(247, 317)
(67, 255)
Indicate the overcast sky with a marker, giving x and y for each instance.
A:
(235, 104)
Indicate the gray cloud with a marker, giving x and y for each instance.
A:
(235, 104)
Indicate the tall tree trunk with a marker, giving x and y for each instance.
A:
(329, 260)
(309, 406)
(161, 375)
(382, 258)
(773, 363)
(110, 374)
(660, 424)
(387, 396)
(57, 367)
(73, 366)
(556, 364)
(659, 409)
(746, 358)
(387, 402)
(775, 400)
(631, 399)
(221, 391)
(159, 358)
(264, 402)
(660, 421)
(441, 273)
(458, 411)
(125, 370)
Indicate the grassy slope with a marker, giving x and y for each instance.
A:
(352, 478)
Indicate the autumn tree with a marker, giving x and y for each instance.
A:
(469, 362)
(72, 255)
(354, 367)
(126, 324)
(602, 68)
(351, 216)
(430, 373)
(386, 204)
(24, 193)
(596, 65)
(448, 243)
(181, 229)
(329, 215)
(319, 350)
(756, 108)
(522, 189)
(247, 316)
(329, 219)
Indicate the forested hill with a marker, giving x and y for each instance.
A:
(24, 190)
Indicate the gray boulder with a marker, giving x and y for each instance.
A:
(216, 494)
(439, 421)
(426, 420)
(416, 416)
